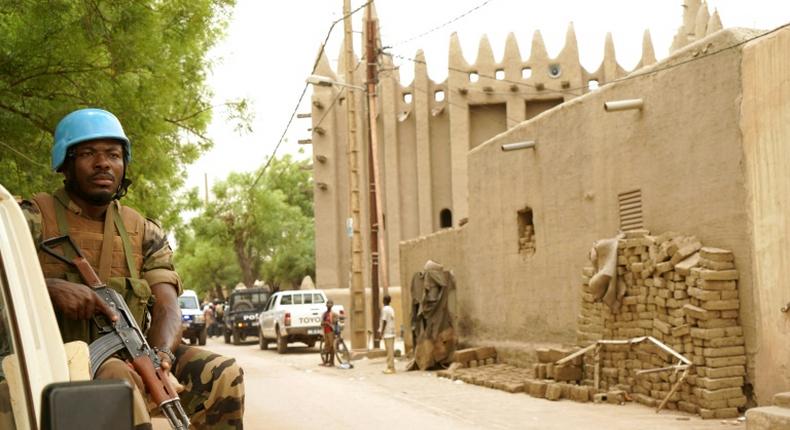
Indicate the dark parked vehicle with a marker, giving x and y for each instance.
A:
(241, 313)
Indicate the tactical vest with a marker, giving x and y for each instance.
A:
(113, 247)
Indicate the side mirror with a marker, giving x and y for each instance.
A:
(87, 405)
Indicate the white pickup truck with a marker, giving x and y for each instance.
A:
(294, 316)
(44, 384)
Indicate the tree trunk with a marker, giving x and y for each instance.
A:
(245, 263)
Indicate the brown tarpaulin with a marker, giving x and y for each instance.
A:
(432, 322)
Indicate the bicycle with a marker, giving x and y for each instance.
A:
(342, 353)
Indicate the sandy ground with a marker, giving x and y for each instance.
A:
(292, 391)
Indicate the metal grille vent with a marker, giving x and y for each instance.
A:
(630, 210)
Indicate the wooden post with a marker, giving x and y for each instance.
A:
(378, 245)
(672, 391)
(358, 332)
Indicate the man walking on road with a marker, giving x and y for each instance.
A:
(131, 255)
(387, 332)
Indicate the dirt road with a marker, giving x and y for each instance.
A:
(292, 391)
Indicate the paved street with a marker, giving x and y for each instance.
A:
(292, 391)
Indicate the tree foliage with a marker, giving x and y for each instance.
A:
(144, 60)
(250, 233)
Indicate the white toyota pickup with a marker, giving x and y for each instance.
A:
(294, 316)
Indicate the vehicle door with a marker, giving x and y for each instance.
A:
(266, 320)
(315, 307)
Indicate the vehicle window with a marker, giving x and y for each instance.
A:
(269, 303)
(286, 300)
(297, 299)
(8, 393)
(188, 302)
(317, 298)
(308, 299)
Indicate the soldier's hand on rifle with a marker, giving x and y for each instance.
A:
(77, 301)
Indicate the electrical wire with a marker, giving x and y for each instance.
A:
(21, 154)
(304, 91)
(439, 27)
(572, 91)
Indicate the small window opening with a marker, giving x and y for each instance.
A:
(526, 232)
(500, 74)
(439, 96)
(407, 97)
(446, 218)
(592, 84)
(526, 73)
(555, 71)
(474, 77)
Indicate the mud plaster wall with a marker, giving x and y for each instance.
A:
(765, 123)
(442, 247)
(683, 150)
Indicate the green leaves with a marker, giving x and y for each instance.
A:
(268, 229)
(142, 60)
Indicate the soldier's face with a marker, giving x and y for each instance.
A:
(95, 170)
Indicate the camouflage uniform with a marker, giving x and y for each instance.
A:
(213, 394)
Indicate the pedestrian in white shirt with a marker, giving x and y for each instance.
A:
(387, 332)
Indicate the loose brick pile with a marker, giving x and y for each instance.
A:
(686, 296)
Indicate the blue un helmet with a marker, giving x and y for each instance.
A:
(84, 125)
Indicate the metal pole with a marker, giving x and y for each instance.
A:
(358, 337)
(378, 246)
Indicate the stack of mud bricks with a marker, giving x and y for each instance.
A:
(684, 295)
(555, 382)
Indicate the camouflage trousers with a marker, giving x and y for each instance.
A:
(213, 394)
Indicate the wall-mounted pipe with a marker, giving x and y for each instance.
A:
(619, 105)
(518, 145)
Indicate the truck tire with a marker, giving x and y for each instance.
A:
(262, 342)
(236, 337)
(282, 343)
(226, 334)
(202, 337)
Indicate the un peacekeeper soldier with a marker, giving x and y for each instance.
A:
(131, 254)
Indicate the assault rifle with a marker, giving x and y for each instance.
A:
(123, 337)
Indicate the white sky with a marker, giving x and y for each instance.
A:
(269, 51)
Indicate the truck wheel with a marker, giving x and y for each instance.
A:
(310, 344)
(282, 343)
(236, 337)
(262, 342)
(202, 337)
(226, 335)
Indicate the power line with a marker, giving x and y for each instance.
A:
(572, 91)
(304, 91)
(21, 154)
(439, 27)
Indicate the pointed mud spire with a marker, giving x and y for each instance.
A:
(701, 23)
(485, 55)
(570, 52)
(420, 66)
(648, 53)
(714, 23)
(690, 8)
(538, 50)
(323, 67)
(341, 59)
(456, 58)
(609, 59)
(512, 53)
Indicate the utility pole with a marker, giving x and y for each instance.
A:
(378, 248)
(358, 335)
